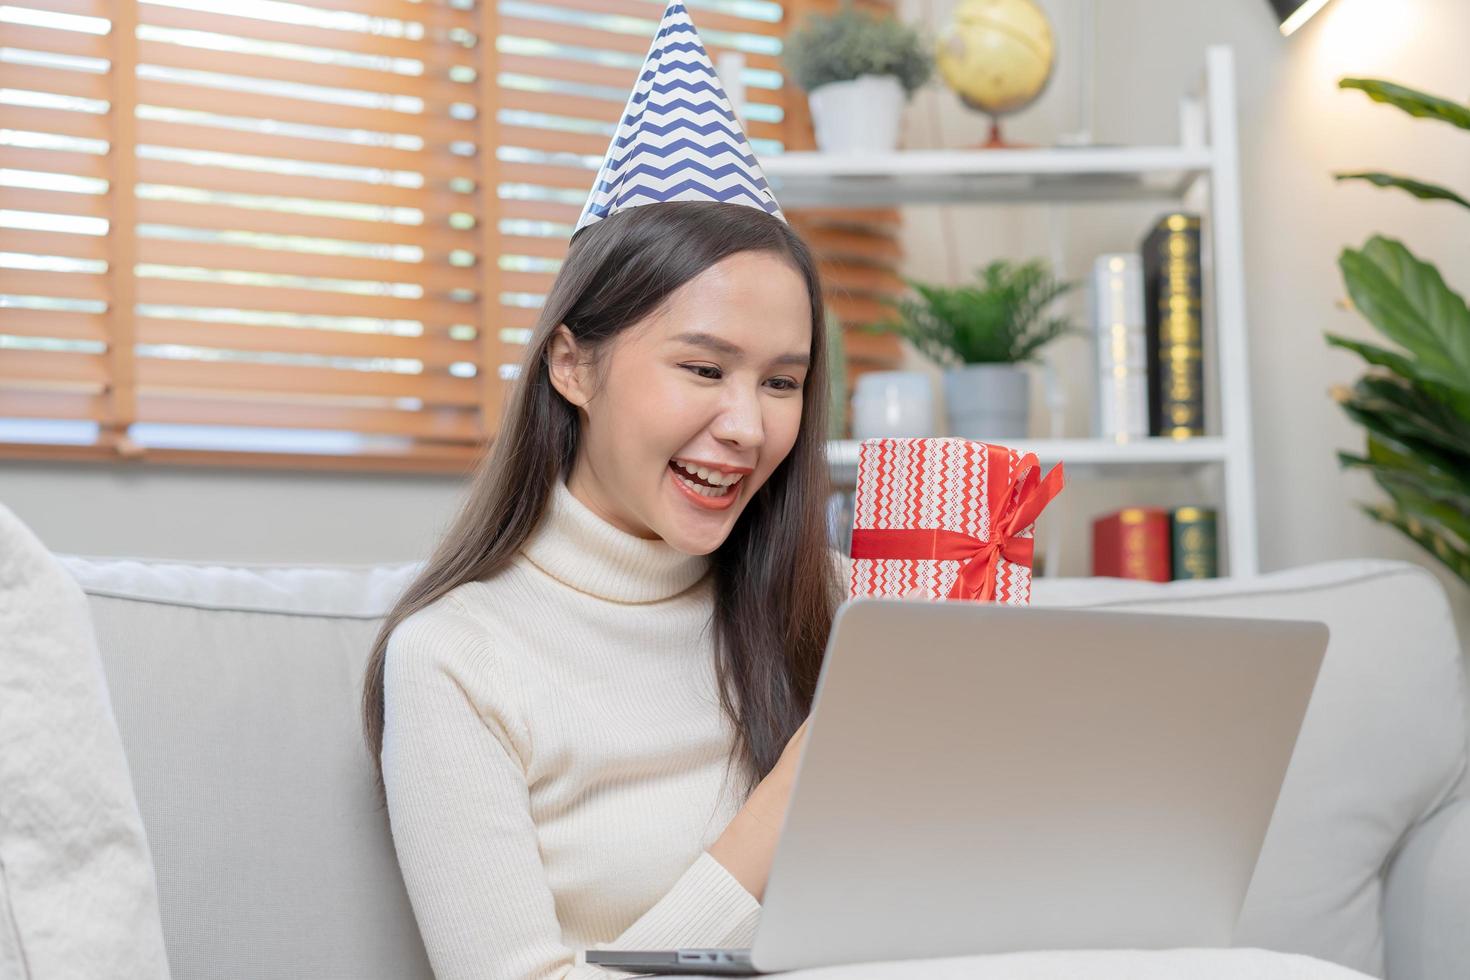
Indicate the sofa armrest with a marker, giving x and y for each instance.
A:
(1426, 900)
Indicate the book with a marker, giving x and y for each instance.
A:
(1120, 410)
(1133, 543)
(1173, 304)
(1194, 548)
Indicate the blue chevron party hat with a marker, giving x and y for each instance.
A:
(679, 139)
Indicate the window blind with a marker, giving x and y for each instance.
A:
(317, 233)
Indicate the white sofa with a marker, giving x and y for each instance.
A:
(236, 688)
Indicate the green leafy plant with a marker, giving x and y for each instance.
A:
(1414, 401)
(1001, 318)
(848, 44)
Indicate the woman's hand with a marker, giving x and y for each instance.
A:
(774, 792)
(748, 844)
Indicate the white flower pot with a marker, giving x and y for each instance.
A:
(860, 116)
(892, 405)
(988, 402)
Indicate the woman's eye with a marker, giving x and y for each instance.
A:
(780, 384)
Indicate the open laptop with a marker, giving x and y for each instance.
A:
(979, 778)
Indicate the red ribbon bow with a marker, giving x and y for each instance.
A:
(1011, 511)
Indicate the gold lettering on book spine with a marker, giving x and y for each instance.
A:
(1181, 368)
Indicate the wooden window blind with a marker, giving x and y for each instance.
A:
(316, 233)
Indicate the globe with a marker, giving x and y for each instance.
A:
(997, 55)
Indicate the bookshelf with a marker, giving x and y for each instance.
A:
(1201, 173)
(1053, 175)
(1082, 455)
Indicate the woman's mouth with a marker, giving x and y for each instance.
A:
(706, 488)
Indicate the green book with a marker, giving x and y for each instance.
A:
(1193, 542)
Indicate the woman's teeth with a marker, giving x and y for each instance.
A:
(703, 490)
(712, 476)
(722, 481)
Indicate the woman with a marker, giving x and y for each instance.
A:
(636, 597)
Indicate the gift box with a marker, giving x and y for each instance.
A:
(953, 517)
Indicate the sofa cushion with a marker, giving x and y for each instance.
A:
(1383, 743)
(237, 694)
(77, 892)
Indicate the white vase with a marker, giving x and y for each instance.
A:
(860, 116)
(987, 402)
(892, 405)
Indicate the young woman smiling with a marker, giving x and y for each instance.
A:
(634, 600)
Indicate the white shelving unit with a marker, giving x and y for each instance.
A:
(1050, 175)
(1202, 173)
(1082, 455)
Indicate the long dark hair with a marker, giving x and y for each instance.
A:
(775, 582)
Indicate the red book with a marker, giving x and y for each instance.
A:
(1132, 543)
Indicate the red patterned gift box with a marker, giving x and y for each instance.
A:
(952, 516)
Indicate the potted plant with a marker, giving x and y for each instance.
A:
(985, 333)
(1414, 401)
(858, 71)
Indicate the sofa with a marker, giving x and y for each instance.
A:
(236, 693)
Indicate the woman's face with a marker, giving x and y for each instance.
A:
(713, 379)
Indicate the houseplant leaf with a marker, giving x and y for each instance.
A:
(1386, 453)
(1405, 368)
(1390, 479)
(849, 42)
(999, 318)
(1417, 410)
(1455, 399)
(1433, 508)
(1421, 190)
(1408, 301)
(1049, 330)
(1452, 554)
(1434, 465)
(1412, 101)
(1430, 509)
(1431, 504)
(1395, 469)
(1414, 410)
(1377, 405)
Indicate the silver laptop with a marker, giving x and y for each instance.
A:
(985, 779)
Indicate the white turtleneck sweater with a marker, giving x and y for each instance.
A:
(554, 758)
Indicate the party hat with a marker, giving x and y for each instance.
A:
(679, 139)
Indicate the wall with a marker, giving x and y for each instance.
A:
(1296, 128)
(199, 514)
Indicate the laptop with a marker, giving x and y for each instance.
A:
(979, 778)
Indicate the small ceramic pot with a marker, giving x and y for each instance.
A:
(986, 402)
(893, 405)
(858, 116)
